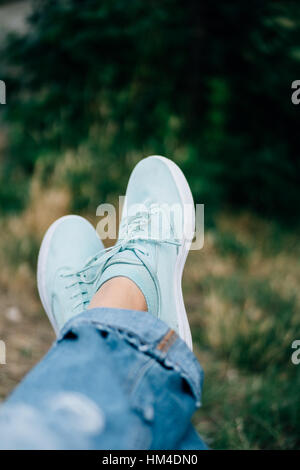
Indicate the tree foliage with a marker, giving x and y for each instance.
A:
(205, 83)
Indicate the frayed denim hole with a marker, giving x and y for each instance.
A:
(70, 335)
(186, 387)
(103, 333)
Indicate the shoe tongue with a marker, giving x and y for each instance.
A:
(136, 268)
(126, 256)
(143, 255)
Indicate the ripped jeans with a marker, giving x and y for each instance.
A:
(114, 379)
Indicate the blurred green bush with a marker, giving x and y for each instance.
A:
(205, 83)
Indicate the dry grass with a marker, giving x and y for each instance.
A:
(23, 325)
(242, 295)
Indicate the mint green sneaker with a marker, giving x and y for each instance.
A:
(66, 245)
(156, 231)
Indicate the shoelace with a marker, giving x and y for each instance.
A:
(134, 227)
(79, 292)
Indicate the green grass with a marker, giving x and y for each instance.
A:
(244, 322)
(242, 296)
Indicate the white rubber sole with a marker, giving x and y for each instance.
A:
(188, 232)
(42, 266)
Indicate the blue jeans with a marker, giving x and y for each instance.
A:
(114, 379)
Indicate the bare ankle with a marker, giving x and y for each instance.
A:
(119, 292)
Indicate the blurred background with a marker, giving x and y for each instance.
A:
(94, 86)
